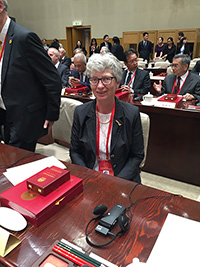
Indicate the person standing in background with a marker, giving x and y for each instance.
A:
(30, 85)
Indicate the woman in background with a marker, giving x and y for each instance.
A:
(170, 50)
(159, 49)
(79, 45)
(93, 47)
(107, 133)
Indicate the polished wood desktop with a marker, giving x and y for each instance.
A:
(70, 222)
(174, 147)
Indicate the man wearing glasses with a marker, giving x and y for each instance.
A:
(181, 82)
(134, 80)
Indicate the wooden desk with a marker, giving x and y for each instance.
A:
(70, 222)
(174, 147)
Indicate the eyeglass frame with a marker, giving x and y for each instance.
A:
(101, 79)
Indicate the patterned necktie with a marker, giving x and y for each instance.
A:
(129, 78)
(178, 84)
(81, 77)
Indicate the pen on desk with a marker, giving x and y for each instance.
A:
(70, 256)
(79, 254)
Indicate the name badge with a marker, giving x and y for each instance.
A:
(105, 166)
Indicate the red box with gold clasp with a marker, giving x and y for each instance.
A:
(47, 180)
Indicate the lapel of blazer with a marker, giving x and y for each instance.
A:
(7, 51)
(91, 126)
(117, 124)
(186, 84)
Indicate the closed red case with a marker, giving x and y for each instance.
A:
(36, 208)
(47, 180)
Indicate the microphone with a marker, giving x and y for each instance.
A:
(100, 209)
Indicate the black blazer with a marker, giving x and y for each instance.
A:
(191, 85)
(76, 74)
(186, 50)
(127, 148)
(66, 61)
(103, 44)
(64, 74)
(118, 51)
(141, 84)
(196, 69)
(97, 50)
(145, 51)
(30, 83)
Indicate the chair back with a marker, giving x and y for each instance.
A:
(61, 129)
(145, 128)
(162, 64)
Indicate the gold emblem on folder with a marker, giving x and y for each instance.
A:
(27, 195)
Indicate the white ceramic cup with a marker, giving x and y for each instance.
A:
(148, 98)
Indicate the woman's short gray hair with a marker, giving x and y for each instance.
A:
(5, 3)
(102, 62)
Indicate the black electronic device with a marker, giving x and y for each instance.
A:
(116, 213)
(112, 216)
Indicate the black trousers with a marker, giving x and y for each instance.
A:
(10, 136)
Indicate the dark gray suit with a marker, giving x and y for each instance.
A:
(64, 74)
(141, 84)
(127, 149)
(191, 85)
(196, 69)
(30, 84)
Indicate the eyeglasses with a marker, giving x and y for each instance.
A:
(104, 80)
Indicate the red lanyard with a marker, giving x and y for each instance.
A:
(109, 131)
(181, 85)
(4, 43)
(131, 79)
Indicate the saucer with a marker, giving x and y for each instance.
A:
(145, 103)
(11, 219)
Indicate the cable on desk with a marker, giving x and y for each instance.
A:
(11, 165)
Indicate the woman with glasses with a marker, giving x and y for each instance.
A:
(107, 133)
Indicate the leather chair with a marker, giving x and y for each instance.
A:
(61, 132)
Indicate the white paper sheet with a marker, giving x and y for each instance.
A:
(20, 173)
(177, 244)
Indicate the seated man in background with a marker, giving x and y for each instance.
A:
(181, 82)
(63, 58)
(78, 74)
(196, 69)
(62, 69)
(134, 80)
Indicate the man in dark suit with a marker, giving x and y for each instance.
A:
(106, 42)
(62, 69)
(181, 82)
(30, 85)
(78, 74)
(134, 80)
(145, 47)
(117, 50)
(196, 69)
(64, 59)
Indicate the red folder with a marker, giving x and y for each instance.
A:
(77, 90)
(36, 208)
(122, 95)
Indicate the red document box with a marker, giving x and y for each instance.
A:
(77, 90)
(175, 100)
(122, 95)
(36, 208)
(47, 180)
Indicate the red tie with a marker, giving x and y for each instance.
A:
(178, 85)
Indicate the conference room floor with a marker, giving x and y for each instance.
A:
(162, 183)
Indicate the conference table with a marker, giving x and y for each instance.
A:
(149, 210)
(174, 147)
